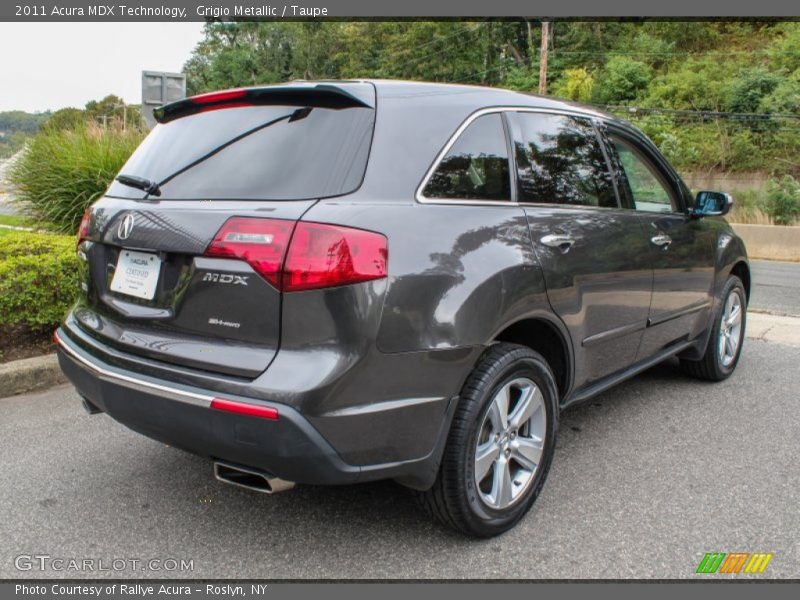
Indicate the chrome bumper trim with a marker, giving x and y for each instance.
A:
(180, 395)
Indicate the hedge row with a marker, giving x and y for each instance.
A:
(38, 278)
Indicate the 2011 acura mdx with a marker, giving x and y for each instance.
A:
(338, 282)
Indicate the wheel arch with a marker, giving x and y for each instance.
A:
(544, 336)
(742, 270)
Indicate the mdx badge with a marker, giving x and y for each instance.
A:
(226, 278)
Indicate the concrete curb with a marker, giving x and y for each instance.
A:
(773, 328)
(29, 374)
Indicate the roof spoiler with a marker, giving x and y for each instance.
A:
(322, 95)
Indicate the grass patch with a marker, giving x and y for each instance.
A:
(17, 221)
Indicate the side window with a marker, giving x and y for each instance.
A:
(644, 185)
(476, 166)
(560, 161)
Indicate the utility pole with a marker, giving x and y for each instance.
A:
(544, 49)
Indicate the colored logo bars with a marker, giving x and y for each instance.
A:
(736, 562)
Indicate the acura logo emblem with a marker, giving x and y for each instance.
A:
(125, 227)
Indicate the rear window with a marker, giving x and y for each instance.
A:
(560, 161)
(321, 154)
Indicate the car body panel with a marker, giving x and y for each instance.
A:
(601, 287)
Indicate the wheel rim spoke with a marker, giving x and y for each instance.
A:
(527, 452)
(729, 347)
(498, 413)
(735, 317)
(529, 403)
(484, 459)
(501, 486)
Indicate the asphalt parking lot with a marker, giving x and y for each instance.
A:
(647, 478)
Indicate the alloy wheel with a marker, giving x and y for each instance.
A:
(730, 329)
(510, 443)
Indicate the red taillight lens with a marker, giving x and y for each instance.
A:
(220, 100)
(223, 96)
(242, 408)
(318, 256)
(86, 222)
(323, 255)
(260, 242)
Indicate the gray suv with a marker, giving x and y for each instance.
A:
(339, 282)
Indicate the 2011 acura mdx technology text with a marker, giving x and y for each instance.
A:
(338, 282)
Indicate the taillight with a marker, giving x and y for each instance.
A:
(83, 229)
(260, 242)
(316, 255)
(329, 255)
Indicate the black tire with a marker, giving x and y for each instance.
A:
(455, 498)
(711, 366)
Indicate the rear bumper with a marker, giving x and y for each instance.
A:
(179, 415)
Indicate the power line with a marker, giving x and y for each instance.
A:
(703, 114)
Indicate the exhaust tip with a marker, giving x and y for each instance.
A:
(89, 407)
(255, 481)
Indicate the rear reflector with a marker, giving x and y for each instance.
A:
(242, 408)
(303, 257)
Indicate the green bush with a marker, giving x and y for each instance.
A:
(622, 80)
(746, 92)
(38, 278)
(783, 200)
(62, 172)
(575, 84)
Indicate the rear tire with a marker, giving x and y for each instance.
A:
(500, 444)
(727, 336)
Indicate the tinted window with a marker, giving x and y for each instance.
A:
(644, 185)
(560, 161)
(322, 154)
(476, 167)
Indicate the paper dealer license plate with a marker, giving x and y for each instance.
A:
(136, 274)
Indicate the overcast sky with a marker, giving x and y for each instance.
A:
(54, 65)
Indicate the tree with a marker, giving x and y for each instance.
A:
(622, 80)
(575, 84)
(746, 91)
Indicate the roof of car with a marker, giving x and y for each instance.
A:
(480, 96)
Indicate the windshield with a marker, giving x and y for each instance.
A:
(320, 155)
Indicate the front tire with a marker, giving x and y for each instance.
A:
(727, 336)
(500, 444)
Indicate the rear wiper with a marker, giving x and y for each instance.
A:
(295, 115)
(140, 183)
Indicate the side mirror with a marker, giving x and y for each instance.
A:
(712, 204)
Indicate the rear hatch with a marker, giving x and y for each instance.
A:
(181, 258)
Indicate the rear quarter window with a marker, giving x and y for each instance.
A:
(476, 166)
(320, 155)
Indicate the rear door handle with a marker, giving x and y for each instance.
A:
(662, 240)
(558, 240)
